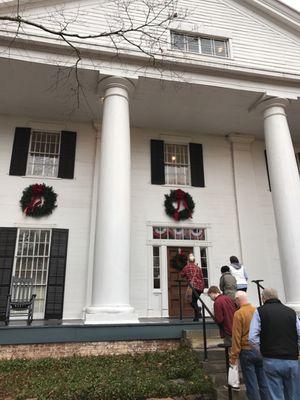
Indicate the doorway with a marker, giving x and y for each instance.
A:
(173, 289)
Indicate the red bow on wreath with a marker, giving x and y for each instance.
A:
(180, 197)
(36, 198)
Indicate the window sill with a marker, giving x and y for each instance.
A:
(182, 186)
(54, 178)
(208, 57)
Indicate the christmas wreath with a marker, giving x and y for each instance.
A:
(182, 199)
(179, 261)
(38, 200)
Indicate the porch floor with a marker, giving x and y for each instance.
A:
(65, 331)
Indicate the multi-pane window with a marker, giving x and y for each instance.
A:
(177, 166)
(203, 254)
(43, 155)
(32, 261)
(200, 44)
(156, 267)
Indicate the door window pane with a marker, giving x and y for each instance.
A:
(156, 267)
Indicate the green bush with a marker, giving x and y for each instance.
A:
(126, 377)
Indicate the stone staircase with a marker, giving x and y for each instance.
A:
(215, 366)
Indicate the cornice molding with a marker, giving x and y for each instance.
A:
(278, 10)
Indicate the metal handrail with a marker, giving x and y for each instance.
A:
(259, 286)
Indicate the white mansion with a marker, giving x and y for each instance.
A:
(211, 107)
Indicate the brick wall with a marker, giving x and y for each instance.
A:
(58, 350)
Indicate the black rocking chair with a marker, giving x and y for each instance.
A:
(20, 298)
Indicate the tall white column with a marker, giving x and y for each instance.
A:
(284, 177)
(110, 288)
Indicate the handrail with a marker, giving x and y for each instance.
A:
(259, 286)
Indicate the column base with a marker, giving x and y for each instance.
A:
(110, 315)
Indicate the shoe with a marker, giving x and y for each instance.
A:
(236, 389)
(196, 319)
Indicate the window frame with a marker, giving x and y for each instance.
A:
(154, 267)
(45, 132)
(188, 165)
(40, 313)
(199, 36)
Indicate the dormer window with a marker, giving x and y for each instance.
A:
(212, 46)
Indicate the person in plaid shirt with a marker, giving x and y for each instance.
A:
(193, 274)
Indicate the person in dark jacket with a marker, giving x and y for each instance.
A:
(227, 282)
(224, 309)
(275, 331)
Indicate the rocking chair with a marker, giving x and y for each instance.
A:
(20, 298)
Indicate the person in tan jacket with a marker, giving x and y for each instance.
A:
(250, 359)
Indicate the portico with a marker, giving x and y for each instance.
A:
(284, 178)
(235, 205)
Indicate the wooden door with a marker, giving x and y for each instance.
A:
(173, 275)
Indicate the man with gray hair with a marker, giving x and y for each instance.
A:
(275, 330)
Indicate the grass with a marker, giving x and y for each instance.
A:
(175, 373)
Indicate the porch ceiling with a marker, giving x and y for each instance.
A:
(45, 92)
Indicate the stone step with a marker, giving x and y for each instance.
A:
(211, 367)
(222, 393)
(212, 332)
(194, 339)
(212, 354)
(218, 378)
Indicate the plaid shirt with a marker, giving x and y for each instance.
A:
(194, 276)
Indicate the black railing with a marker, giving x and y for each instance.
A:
(180, 281)
(259, 288)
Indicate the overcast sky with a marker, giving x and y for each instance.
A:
(292, 3)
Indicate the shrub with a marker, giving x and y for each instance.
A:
(129, 377)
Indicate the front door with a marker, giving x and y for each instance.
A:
(173, 276)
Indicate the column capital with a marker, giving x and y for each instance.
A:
(114, 82)
(273, 106)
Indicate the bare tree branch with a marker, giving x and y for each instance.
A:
(145, 33)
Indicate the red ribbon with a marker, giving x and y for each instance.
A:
(180, 197)
(36, 198)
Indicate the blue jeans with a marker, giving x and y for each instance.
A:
(254, 376)
(281, 378)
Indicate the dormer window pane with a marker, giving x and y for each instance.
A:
(206, 46)
(200, 44)
(192, 44)
(221, 48)
(177, 41)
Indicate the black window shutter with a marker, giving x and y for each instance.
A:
(157, 162)
(67, 155)
(56, 274)
(197, 168)
(20, 152)
(8, 238)
(267, 167)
